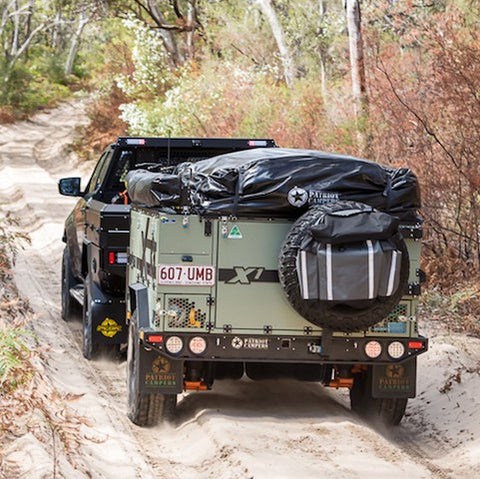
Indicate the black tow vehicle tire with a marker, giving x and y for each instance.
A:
(68, 282)
(147, 409)
(384, 411)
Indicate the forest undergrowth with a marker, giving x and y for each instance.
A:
(29, 402)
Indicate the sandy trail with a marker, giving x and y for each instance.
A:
(276, 429)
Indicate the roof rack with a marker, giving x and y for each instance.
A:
(160, 142)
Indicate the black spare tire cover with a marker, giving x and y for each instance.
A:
(329, 224)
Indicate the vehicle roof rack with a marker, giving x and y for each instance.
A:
(160, 142)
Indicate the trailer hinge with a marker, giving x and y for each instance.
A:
(422, 276)
(412, 231)
(207, 228)
(414, 289)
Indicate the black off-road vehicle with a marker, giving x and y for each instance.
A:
(97, 230)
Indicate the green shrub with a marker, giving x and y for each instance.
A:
(15, 367)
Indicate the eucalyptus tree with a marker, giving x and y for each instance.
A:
(177, 22)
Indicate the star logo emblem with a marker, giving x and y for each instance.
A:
(237, 342)
(395, 371)
(297, 197)
(161, 365)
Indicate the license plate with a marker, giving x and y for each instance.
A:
(186, 275)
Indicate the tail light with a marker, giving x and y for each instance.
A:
(174, 344)
(197, 345)
(116, 257)
(396, 349)
(373, 349)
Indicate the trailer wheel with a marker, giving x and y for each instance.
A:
(89, 349)
(384, 411)
(149, 408)
(68, 282)
(338, 316)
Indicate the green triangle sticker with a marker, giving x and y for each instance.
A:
(235, 233)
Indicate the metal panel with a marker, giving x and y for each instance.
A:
(180, 236)
(248, 297)
(414, 250)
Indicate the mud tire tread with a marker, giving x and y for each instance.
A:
(384, 411)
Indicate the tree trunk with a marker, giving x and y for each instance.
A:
(75, 42)
(323, 80)
(5, 15)
(12, 60)
(289, 69)
(28, 29)
(168, 37)
(191, 22)
(16, 28)
(322, 10)
(55, 30)
(357, 65)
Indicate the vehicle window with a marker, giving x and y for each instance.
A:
(96, 172)
(148, 158)
(118, 174)
(99, 173)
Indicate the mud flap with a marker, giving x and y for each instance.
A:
(156, 374)
(159, 374)
(396, 380)
(108, 318)
(108, 314)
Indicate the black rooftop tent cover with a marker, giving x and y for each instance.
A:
(281, 182)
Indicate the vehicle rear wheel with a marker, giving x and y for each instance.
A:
(386, 411)
(90, 350)
(149, 408)
(68, 282)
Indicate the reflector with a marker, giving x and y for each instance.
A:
(155, 338)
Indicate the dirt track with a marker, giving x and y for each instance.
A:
(238, 430)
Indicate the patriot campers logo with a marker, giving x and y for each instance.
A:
(298, 197)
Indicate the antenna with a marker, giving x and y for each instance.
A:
(168, 146)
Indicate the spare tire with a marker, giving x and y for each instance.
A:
(345, 315)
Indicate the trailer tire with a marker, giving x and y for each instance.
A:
(145, 409)
(383, 411)
(346, 317)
